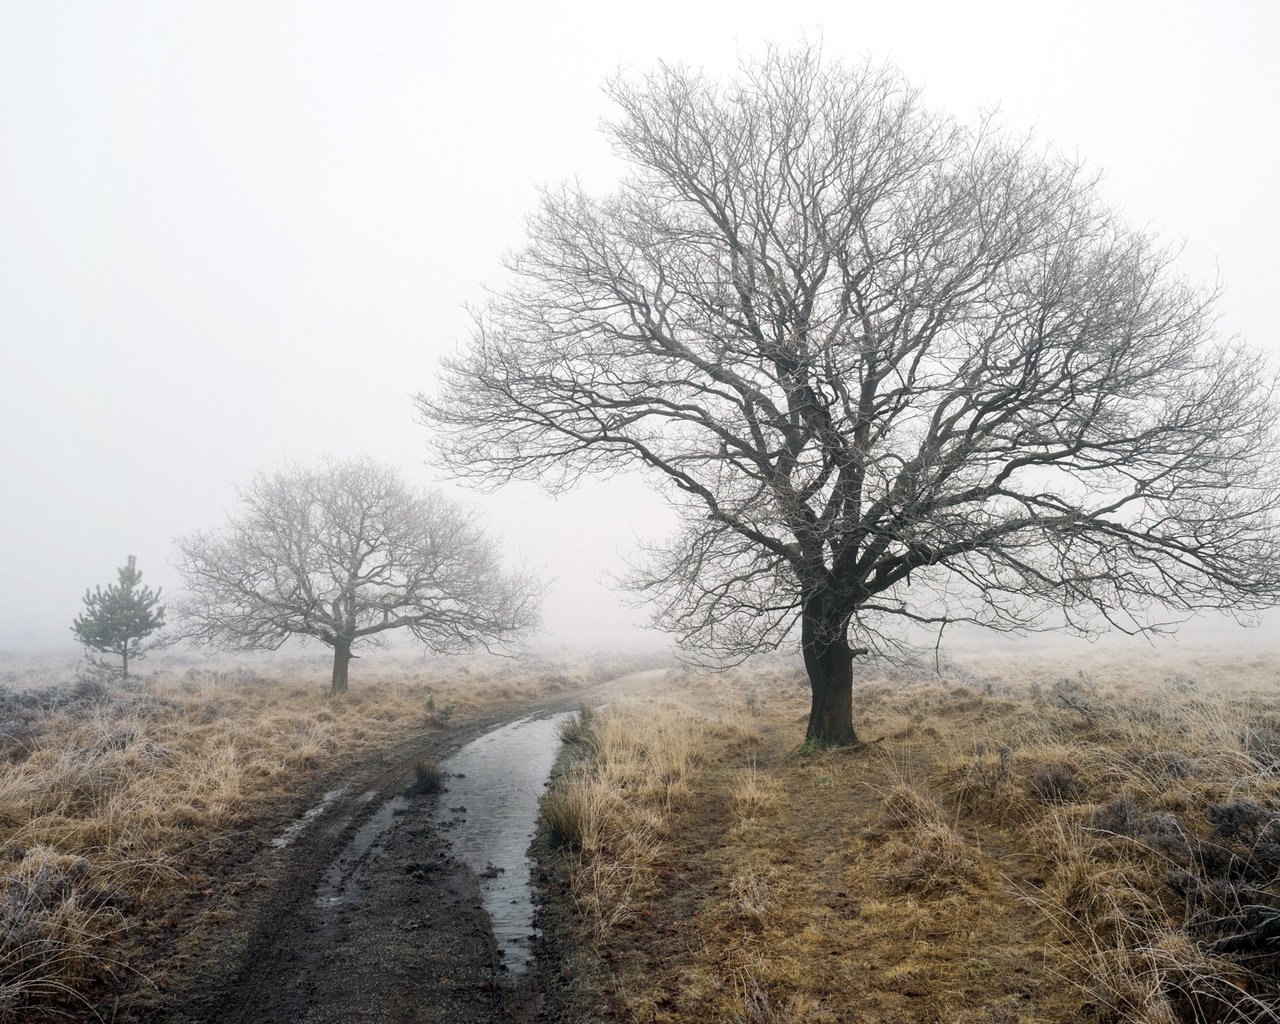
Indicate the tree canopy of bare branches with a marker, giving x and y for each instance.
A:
(344, 553)
(888, 366)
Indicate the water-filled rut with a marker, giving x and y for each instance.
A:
(374, 903)
(490, 811)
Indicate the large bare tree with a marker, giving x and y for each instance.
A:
(344, 553)
(888, 366)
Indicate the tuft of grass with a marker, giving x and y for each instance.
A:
(428, 777)
(571, 812)
(933, 859)
(53, 922)
(759, 1007)
(1058, 782)
(755, 792)
(754, 893)
(576, 729)
(926, 856)
(905, 807)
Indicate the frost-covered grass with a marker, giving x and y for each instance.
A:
(112, 799)
(1029, 839)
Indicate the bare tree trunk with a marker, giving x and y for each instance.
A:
(124, 666)
(829, 662)
(341, 659)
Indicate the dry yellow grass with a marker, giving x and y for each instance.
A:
(1023, 845)
(109, 803)
(612, 810)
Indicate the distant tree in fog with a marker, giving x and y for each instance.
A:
(345, 553)
(118, 620)
(886, 366)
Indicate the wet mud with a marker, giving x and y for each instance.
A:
(358, 908)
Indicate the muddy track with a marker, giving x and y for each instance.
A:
(341, 925)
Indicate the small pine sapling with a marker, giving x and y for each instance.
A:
(117, 620)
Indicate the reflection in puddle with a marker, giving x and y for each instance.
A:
(490, 811)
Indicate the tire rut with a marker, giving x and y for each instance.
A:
(407, 941)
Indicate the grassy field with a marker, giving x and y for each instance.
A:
(1026, 840)
(115, 803)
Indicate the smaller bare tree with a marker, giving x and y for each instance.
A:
(345, 553)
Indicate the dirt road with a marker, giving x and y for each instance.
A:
(338, 923)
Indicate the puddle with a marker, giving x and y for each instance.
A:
(488, 814)
(295, 828)
(345, 873)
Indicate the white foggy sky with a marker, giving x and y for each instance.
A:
(234, 233)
